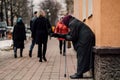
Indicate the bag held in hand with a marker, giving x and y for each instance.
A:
(68, 44)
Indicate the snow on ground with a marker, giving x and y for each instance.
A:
(5, 43)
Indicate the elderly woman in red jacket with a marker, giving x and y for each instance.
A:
(61, 29)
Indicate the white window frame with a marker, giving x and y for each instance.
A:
(90, 8)
(84, 10)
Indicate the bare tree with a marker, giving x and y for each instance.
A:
(1, 10)
(11, 8)
(16, 8)
(20, 8)
(69, 6)
(51, 7)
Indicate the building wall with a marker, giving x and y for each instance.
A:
(104, 22)
(95, 21)
(77, 9)
(110, 22)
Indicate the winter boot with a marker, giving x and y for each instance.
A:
(15, 54)
(30, 53)
(21, 51)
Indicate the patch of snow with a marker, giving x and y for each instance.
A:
(5, 43)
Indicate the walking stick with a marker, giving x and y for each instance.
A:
(64, 54)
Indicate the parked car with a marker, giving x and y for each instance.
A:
(9, 32)
(3, 27)
(9, 28)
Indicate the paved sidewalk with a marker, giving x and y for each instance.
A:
(27, 68)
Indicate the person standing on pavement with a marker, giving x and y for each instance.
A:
(61, 29)
(41, 28)
(33, 40)
(19, 35)
(83, 40)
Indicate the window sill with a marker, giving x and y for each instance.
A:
(90, 16)
(84, 20)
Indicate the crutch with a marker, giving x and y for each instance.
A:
(64, 54)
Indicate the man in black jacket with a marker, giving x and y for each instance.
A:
(31, 26)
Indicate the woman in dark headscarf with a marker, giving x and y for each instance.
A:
(83, 40)
(19, 35)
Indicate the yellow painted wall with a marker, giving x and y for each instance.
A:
(96, 21)
(110, 22)
(105, 21)
(77, 9)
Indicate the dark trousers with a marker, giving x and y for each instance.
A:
(62, 45)
(85, 57)
(15, 51)
(32, 45)
(42, 50)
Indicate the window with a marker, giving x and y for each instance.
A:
(84, 10)
(90, 8)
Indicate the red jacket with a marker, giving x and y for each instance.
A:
(61, 29)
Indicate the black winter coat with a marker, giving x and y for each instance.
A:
(19, 35)
(31, 23)
(40, 29)
(83, 41)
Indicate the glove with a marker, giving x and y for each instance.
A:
(65, 36)
(54, 35)
(68, 37)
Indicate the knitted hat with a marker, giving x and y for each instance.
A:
(66, 20)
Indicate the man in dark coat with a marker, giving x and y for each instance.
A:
(40, 34)
(31, 26)
(83, 40)
(19, 35)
